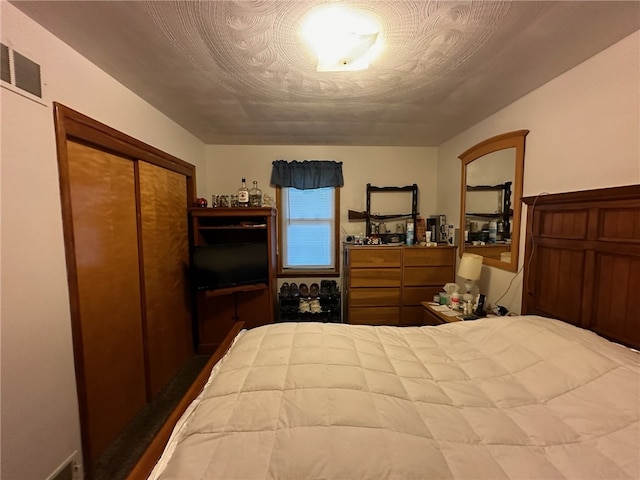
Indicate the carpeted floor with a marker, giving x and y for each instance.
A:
(118, 460)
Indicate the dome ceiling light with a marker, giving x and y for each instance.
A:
(343, 39)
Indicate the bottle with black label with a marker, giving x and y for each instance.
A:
(243, 194)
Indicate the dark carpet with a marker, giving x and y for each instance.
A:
(120, 457)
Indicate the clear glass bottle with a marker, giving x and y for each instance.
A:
(243, 194)
(255, 196)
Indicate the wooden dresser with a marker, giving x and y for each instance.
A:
(385, 285)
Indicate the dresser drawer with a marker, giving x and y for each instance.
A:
(415, 295)
(369, 297)
(428, 256)
(436, 276)
(375, 277)
(375, 257)
(374, 315)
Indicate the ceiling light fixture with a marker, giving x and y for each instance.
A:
(343, 39)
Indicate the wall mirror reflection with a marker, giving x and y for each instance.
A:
(490, 199)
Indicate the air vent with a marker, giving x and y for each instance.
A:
(21, 72)
(27, 74)
(6, 66)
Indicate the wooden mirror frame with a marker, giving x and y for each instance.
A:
(515, 139)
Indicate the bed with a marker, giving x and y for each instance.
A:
(534, 396)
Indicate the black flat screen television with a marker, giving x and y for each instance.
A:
(229, 265)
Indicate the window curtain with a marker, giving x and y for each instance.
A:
(307, 174)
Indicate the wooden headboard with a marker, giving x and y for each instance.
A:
(582, 260)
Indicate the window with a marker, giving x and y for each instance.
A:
(309, 225)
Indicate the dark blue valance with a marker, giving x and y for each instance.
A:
(307, 174)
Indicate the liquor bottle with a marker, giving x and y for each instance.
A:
(243, 194)
(255, 196)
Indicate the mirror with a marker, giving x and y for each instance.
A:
(490, 199)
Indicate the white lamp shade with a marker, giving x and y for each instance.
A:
(470, 266)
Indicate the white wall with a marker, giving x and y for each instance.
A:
(380, 166)
(584, 134)
(40, 425)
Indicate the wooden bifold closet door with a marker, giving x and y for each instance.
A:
(125, 215)
(103, 205)
(165, 247)
(134, 316)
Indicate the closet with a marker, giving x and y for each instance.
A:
(125, 218)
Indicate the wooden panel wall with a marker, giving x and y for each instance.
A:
(616, 301)
(582, 260)
(559, 283)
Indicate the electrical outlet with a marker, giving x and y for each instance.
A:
(71, 469)
(77, 471)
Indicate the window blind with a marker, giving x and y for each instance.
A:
(308, 228)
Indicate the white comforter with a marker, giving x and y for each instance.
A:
(513, 397)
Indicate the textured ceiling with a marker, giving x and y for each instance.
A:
(237, 72)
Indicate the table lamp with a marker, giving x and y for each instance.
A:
(469, 269)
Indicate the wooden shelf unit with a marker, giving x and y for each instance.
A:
(218, 309)
(506, 214)
(367, 216)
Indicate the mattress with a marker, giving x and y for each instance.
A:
(511, 397)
